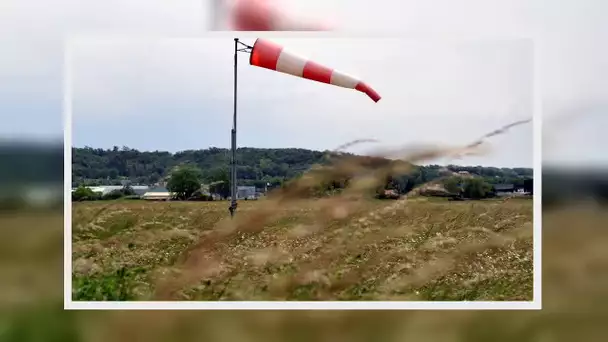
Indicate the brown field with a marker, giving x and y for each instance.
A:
(414, 249)
(575, 293)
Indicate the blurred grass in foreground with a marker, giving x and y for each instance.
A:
(411, 249)
(575, 298)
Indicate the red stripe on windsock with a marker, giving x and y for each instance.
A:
(364, 88)
(317, 72)
(252, 15)
(265, 54)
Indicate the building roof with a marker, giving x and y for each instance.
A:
(156, 194)
(499, 187)
(158, 189)
(140, 192)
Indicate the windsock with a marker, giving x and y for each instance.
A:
(271, 56)
(267, 15)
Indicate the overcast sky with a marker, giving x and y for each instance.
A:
(574, 63)
(176, 94)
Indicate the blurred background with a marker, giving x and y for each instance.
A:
(573, 64)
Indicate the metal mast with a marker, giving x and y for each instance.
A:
(233, 186)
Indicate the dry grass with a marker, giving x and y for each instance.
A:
(575, 294)
(413, 249)
(292, 247)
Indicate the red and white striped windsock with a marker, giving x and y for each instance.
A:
(267, 15)
(272, 56)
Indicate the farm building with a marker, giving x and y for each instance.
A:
(140, 189)
(157, 194)
(504, 189)
(246, 192)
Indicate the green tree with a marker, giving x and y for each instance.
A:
(476, 188)
(84, 194)
(528, 185)
(127, 190)
(184, 181)
(113, 195)
(219, 182)
(256, 166)
(452, 184)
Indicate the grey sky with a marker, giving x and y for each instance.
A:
(176, 94)
(573, 60)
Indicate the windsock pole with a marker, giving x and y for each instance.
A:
(271, 56)
(233, 186)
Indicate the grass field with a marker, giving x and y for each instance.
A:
(413, 249)
(575, 294)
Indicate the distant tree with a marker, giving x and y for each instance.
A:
(113, 195)
(476, 188)
(452, 184)
(221, 188)
(84, 194)
(127, 190)
(198, 195)
(257, 166)
(529, 185)
(184, 180)
(219, 182)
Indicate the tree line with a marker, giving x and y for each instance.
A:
(256, 167)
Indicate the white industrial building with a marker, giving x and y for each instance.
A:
(246, 193)
(157, 194)
(106, 189)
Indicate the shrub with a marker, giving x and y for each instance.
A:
(117, 286)
(476, 188)
(199, 196)
(85, 194)
(113, 195)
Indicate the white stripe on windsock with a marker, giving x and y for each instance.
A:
(290, 63)
(293, 64)
(343, 80)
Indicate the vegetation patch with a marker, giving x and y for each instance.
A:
(423, 250)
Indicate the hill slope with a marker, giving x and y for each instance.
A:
(256, 166)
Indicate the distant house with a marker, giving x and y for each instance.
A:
(205, 189)
(140, 190)
(246, 193)
(259, 192)
(504, 189)
(157, 194)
